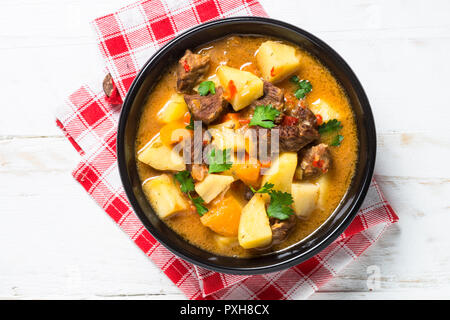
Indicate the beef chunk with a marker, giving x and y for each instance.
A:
(263, 138)
(199, 172)
(191, 67)
(316, 160)
(294, 137)
(193, 149)
(280, 231)
(248, 193)
(273, 96)
(206, 108)
(290, 139)
(108, 85)
(305, 115)
(307, 125)
(281, 228)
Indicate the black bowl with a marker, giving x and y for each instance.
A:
(149, 76)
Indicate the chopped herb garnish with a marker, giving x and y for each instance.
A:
(185, 180)
(279, 206)
(198, 203)
(187, 186)
(220, 162)
(295, 79)
(190, 126)
(280, 202)
(330, 126)
(206, 87)
(264, 116)
(337, 141)
(265, 188)
(304, 87)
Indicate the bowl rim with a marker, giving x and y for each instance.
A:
(334, 233)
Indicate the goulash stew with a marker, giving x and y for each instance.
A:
(246, 145)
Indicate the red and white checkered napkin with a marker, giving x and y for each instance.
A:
(126, 40)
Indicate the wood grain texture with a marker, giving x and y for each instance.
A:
(57, 243)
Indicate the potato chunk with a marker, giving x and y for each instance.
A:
(254, 226)
(161, 157)
(321, 107)
(305, 197)
(282, 171)
(277, 61)
(165, 196)
(324, 187)
(212, 185)
(225, 138)
(173, 110)
(247, 86)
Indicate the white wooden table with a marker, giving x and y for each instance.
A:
(399, 50)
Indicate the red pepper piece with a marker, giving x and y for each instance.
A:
(186, 67)
(319, 119)
(317, 163)
(289, 121)
(231, 90)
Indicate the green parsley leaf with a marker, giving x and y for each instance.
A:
(198, 203)
(221, 162)
(337, 141)
(185, 180)
(206, 87)
(280, 202)
(190, 126)
(265, 188)
(264, 116)
(295, 79)
(304, 87)
(330, 126)
(186, 186)
(279, 206)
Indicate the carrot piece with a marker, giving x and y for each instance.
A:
(223, 217)
(265, 164)
(174, 132)
(233, 117)
(247, 172)
(230, 116)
